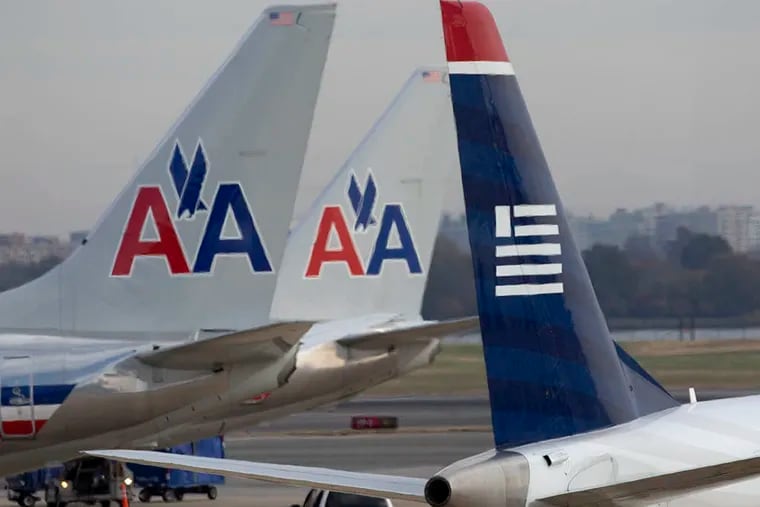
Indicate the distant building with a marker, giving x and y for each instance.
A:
(700, 221)
(22, 249)
(587, 230)
(753, 233)
(734, 226)
(650, 217)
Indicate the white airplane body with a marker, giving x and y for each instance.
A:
(670, 458)
(576, 420)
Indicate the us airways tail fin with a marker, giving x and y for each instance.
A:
(196, 238)
(552, 367)
(365, 245)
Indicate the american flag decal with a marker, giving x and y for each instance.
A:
(281, 18)
(511, 258)
(432, 76)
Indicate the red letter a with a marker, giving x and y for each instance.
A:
(333, 219)
(149, 200)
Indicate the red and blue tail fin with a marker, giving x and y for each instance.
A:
(552, 368)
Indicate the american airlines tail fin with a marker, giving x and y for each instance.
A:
(195, 240)
(552, 367)
(365, 245)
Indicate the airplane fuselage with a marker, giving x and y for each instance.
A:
(60, 394)
(682, 438)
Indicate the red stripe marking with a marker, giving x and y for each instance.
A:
(471, 33)
(19, 428)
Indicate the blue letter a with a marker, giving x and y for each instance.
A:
(230, 196)
(394, 215)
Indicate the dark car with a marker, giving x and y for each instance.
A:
(323, 498)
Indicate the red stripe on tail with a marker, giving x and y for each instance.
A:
(22, 428)
(471, 33)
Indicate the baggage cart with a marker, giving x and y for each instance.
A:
(172, 485)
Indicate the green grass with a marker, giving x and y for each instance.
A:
(719, 370)
(459, 369)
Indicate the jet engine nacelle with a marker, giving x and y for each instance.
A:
(489, 479)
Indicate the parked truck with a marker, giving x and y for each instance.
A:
(90, 481)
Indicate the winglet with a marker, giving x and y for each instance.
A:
(473, 42)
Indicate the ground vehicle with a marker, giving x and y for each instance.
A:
(324, 498)
(171, 484)
(90, 480)
(22, 488)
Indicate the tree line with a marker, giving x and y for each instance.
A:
(695, 275)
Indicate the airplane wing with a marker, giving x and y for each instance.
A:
(639, 492)
(390, 486)
(264, 344)
(423, 332)
(651, 490)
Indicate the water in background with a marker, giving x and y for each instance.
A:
(637, 335)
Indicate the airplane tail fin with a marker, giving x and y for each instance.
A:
(551, 365)
(195, 239)
(365, 245)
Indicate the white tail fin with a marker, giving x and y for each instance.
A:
(366, 243)
(195, 239)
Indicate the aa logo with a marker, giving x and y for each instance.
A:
(335, 243)
(189, 181)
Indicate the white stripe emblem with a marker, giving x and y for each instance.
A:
(482, 67)
(504, 216)
(503, 222)
(528, 249)
(535, 210)
(529, 289)
(529, 269)
(536, 230)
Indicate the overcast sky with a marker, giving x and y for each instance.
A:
(635, 102)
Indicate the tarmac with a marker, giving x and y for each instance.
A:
(416, 455)
(433, 432)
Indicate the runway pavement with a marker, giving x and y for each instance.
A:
(416, 412)
(418, 449)
(423, 444)
(417, 455)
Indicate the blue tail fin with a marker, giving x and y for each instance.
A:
(552, 367)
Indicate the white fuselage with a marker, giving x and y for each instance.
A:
(78, 393)
(682, 438)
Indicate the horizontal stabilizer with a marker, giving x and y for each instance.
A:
(264, 344)
(391, 486)
(652, 490)
(423, 332)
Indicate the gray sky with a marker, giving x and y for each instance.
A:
(634, 101)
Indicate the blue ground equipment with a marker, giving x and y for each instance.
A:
(171, 484)
(22, 488)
